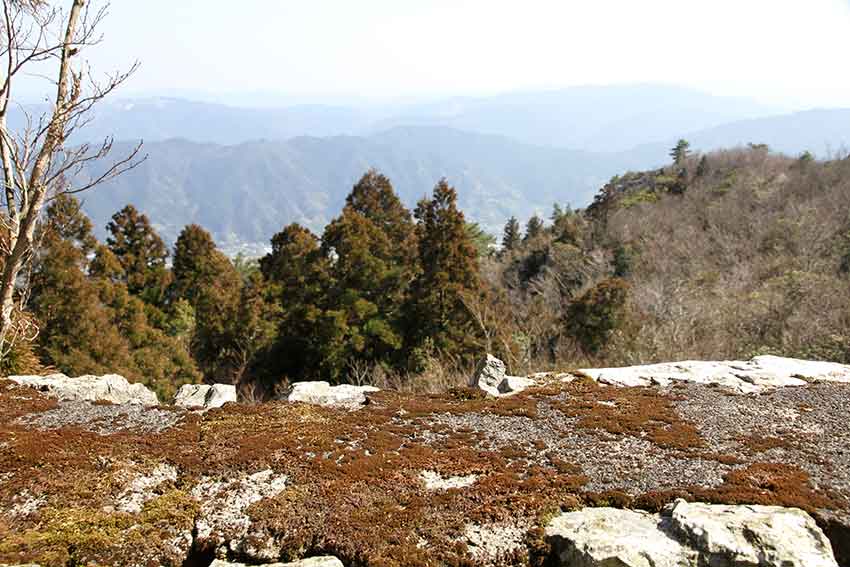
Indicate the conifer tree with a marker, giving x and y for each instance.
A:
(374, 198)
(680, 152)
(702, 167)
(141, 252)
(511, 236)
(449, 271)
(90, 324)
(533, 228)
(296, 272)
(207, 280)
(484, 241)
(374, 248)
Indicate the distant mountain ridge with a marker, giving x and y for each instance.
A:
(247, 192)
(603, 119)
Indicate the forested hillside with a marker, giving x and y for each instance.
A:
(724, 255)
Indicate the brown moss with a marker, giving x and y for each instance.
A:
(769, 484)
(355, 489)
(760, 444)
(607, 499)
(638, 412)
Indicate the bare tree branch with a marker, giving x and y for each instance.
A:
(37, 163)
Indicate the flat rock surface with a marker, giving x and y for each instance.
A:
(459, 478)
(755, 375)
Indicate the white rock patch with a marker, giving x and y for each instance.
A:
(224, 503)
(491, 542)
(141, 489)
(434, 481)
(343, 396)
(26, 504)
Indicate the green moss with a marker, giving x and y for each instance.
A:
(638, 197)
(83, 536)
(175, 508)
(71, 536)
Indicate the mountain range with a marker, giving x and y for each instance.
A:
(243, 173)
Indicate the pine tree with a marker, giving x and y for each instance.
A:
(197, 264)
(141, 252)
(533, 228)
(680, 152)
(511, 236)
(484, 241)
(368, 287)
(449, 271)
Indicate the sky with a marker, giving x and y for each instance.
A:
(785, 52)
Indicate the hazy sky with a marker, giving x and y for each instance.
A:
(791, 52)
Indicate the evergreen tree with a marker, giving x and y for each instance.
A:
(533, 228)
(207, 280)
(374, 198)
(680, 152)
(449, 271)
(296, 272)
(511, 236)
(368, 285)
(92, 325)
(484, 241)
(141, 252)
(197, 264)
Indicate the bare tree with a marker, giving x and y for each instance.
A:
(37, 162)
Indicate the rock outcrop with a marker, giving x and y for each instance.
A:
(689, 534)
(109, 388)
(204, 397)
(323, 394)
(456, 479)
(752, 376)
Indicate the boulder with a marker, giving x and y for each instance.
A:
(689, 534)
(204, 396)
(597, 537)
(752, 535)
(109, 388)
(343, 396)
(489, 375)
(744, 377)
(327, 561)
